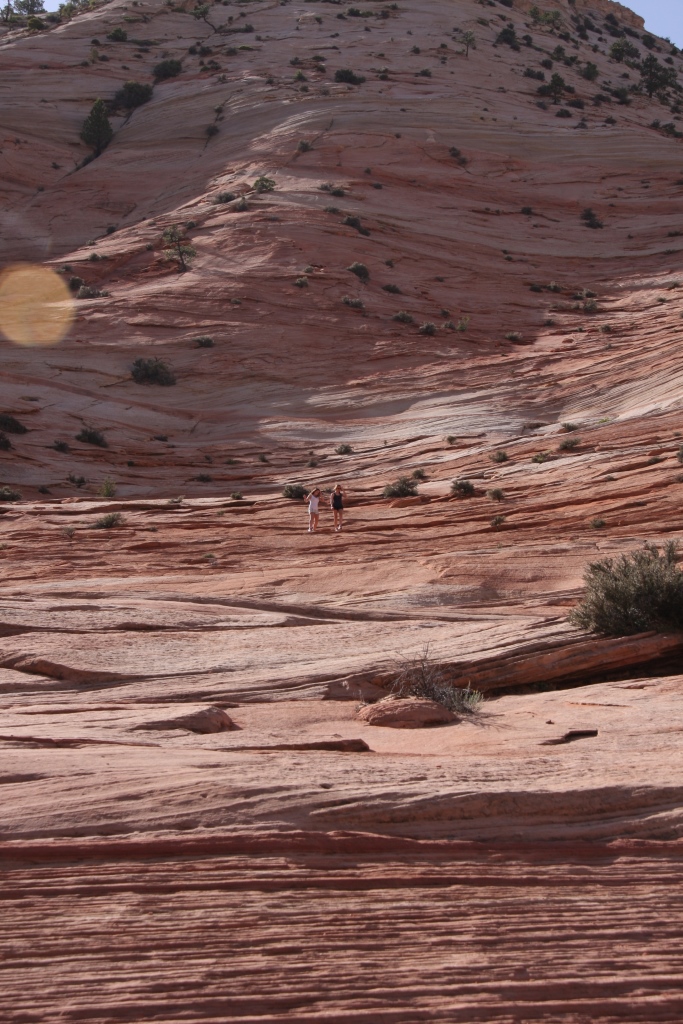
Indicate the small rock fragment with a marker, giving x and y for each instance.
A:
(203, 721)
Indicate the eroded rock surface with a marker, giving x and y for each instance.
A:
(405, 713)
(522, 866)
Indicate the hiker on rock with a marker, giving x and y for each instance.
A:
(337, 506)
(313, 500)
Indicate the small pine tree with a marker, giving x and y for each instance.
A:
(469, 41)
(178, 247)
(556, 87)
(655, 77)
(96, 130)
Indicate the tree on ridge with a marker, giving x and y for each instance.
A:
(96, 130)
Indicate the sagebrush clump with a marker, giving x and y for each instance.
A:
(462, 489)
(91, 435)
(633, 593)
(404, 487)
(152, 371)
(421, 677)
(295, 491)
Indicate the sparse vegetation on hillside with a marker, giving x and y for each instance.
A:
(462, 489)
(591, 219)
(132, 95)
(360, 270)
(97, 132)
(633, 593)
(107, 488)
(421, 677)
(178, 248)
(294, 491)
(108, 522)
(166, 69)
(152, 371)
(348, 77)
(404, 487)
(91, 435)
(11, 425)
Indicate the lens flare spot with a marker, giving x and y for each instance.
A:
(36, 307)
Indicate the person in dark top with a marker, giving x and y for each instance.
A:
(337, 506)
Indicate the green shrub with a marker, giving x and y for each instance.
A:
(170, 68)
(497, 522)
(463, 323)
(301, 282)
(360, 270)
(5, 443)
(542, 457)
(90, 435)
(404, 487)
(353, 303)
(179, 248)
(513, 336)
(132, 95)
(419, 474)
(420, 677)
(343, 449)
(403, 318)
(86, 292)
(499, 456)
(107, 488)
(294, 491)
(203, 478)
(427, 328)
(496, 494)
(236, 495)
(348, 76)
(462, 489)
(590, 218)
(204, 341)
(393, 289)
(632, 594)
(108, 522)
(569, 428)
(152, 371)
(568, 444)
(451, 439)
(224, 197)
(304, 146)
(457, 155)
(96, 130)
(77, 481)
(7, 494)
(11, 425)
(355, 222)
(598, 523)
(264, 184)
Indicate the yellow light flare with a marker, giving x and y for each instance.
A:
(36, 307)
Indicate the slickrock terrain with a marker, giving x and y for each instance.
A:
(200, 820)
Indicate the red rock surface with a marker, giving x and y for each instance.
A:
(405, 713)
(521, 864)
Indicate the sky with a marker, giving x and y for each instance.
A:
(663, 17)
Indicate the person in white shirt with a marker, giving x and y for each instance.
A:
(313, 500)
